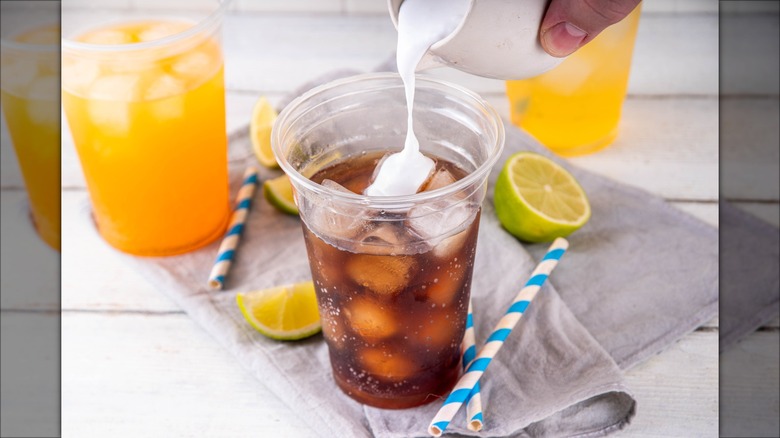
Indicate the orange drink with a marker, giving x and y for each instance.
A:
(575, 108)
(145, 102)
(30, 91)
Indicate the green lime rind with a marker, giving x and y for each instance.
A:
(521, 217)
(263, 117)
(278, 192)
(271, 304)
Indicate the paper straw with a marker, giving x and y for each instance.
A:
(496, 339)
(474, 399)
(227, 249)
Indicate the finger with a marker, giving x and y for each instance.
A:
(569, 24)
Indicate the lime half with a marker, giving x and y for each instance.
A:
(537, 200)
(279, 193)
(285, 313)
(263, 118)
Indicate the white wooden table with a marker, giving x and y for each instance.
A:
(133, 364)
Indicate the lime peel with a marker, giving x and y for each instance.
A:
(279, 193)
(263, 118)
(537, 200)
(285, 313)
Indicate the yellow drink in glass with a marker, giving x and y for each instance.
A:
(575, 108)
(30, 90)
(145, 102)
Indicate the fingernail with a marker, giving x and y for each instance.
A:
(563, 39)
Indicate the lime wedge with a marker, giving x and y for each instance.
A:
(263, 118)
(537, 200)
(279, 193)
(285, 313)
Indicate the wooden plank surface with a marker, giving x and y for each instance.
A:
(185, 384)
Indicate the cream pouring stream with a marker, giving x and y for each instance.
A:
(421, 23)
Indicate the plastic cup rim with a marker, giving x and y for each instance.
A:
(389, 203)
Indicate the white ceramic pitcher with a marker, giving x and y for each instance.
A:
(496, 39)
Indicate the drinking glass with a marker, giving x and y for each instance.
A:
(575, 108)
(145, 102)
(30, 89)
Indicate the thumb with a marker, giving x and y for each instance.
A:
(570, 24)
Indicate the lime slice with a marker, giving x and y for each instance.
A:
(537, 200)
(279, 193)
(263, 117)
(285, 313)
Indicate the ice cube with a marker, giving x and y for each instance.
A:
(333, 185)
(436, 221)
(117, 88)
(445, 285)
(448, 247)
(194, 65)
(381, 239)
(440, 178)
(370, 320)
(440, 329)
(326, 261)
(43, 105)
(381, 274)
(161, 30)
(168, 108)
(164, 85)
(109, 105)
(108, 36)
(113, 118)
(168, 92)
(44, 88)
(17, 75)
(387, 364)
(337, 221)
(78, 75)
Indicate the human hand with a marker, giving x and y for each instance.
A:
(569, 24)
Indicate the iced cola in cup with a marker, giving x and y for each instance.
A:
(392, 274)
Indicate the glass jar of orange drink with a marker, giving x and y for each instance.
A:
(575, 108)
(145, 102)
(30, 88)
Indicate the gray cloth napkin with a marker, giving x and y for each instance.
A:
(552, 378)
(750, 291)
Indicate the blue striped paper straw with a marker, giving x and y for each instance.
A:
(496, 339)
(474, 399)
(227, 249)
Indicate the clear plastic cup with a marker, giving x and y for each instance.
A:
(392, 274)
(145, 103)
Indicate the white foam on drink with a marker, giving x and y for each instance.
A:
(421, 23)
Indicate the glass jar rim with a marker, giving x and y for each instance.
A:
(387, 202)
(209, 21)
